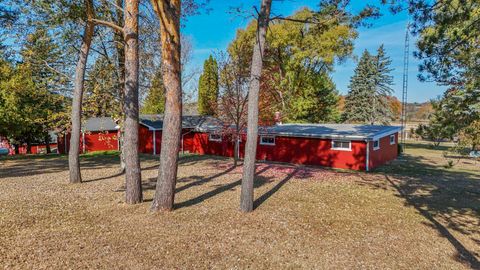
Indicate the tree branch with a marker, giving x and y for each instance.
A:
(108, 24)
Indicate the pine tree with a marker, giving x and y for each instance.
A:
(383, 82)
(102, 96)
(358, 102)
(155, 101)
(44, 58)
(208, 88)
(370, 88)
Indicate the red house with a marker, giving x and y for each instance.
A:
(346, 146)
(355, 147)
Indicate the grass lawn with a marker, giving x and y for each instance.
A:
(413, 213)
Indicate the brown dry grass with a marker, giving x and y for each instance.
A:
(305, 218)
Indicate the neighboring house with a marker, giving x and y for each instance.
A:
(356, 147)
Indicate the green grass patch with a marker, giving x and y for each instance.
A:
(114, 153)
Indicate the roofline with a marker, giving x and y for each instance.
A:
(86, 130)
(157, 129)
(386, 133)
(391, 131)
(149, 127)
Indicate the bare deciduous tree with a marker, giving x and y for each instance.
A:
(233, 98)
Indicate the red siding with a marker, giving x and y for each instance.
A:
(199, 143)
(145, 144)
(306, 151)
(100, 141)
(310, 151)
(62, 140)
(158, 142)
(146, 140)
(386, 153)
(35, 149)
(94, 141)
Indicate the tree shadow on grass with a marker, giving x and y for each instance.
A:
(259, 181)
(104, 178)
(265, 196)
(448, 199)
(187, 159)
(197, 180)
(23, 167)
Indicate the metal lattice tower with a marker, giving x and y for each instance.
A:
(405, 84)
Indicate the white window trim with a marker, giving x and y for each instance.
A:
(373, 144)
(263, 143)
(392, 136)
(214, 140)
(341, 148)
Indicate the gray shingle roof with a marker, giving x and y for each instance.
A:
(208, 123)
(331, 131)
(99, 124)
(199, 122)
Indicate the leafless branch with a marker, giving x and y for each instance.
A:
(56, 71)
(108, 24)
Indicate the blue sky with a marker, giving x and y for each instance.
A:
(211, 32)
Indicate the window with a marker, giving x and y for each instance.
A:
(342, 145)
(214, 137)
(267, 140)
(392, 139)
(376, 145)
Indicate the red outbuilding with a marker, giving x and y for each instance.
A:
(36, 147)
(345, 146)
(98, 134)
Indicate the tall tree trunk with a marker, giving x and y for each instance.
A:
(236, 149)
(169, 12)
(73, 154)
(122, 154)
(133, 177)
(246, 197)
(29, 147)
(47, 144)
(121, 77)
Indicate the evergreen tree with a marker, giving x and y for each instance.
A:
(208, 88)
(358, 102)
(102, 94)
(155, 101)
(370, 89)
(44, 58)
(383, 82)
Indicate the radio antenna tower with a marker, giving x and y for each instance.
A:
(405, 85)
